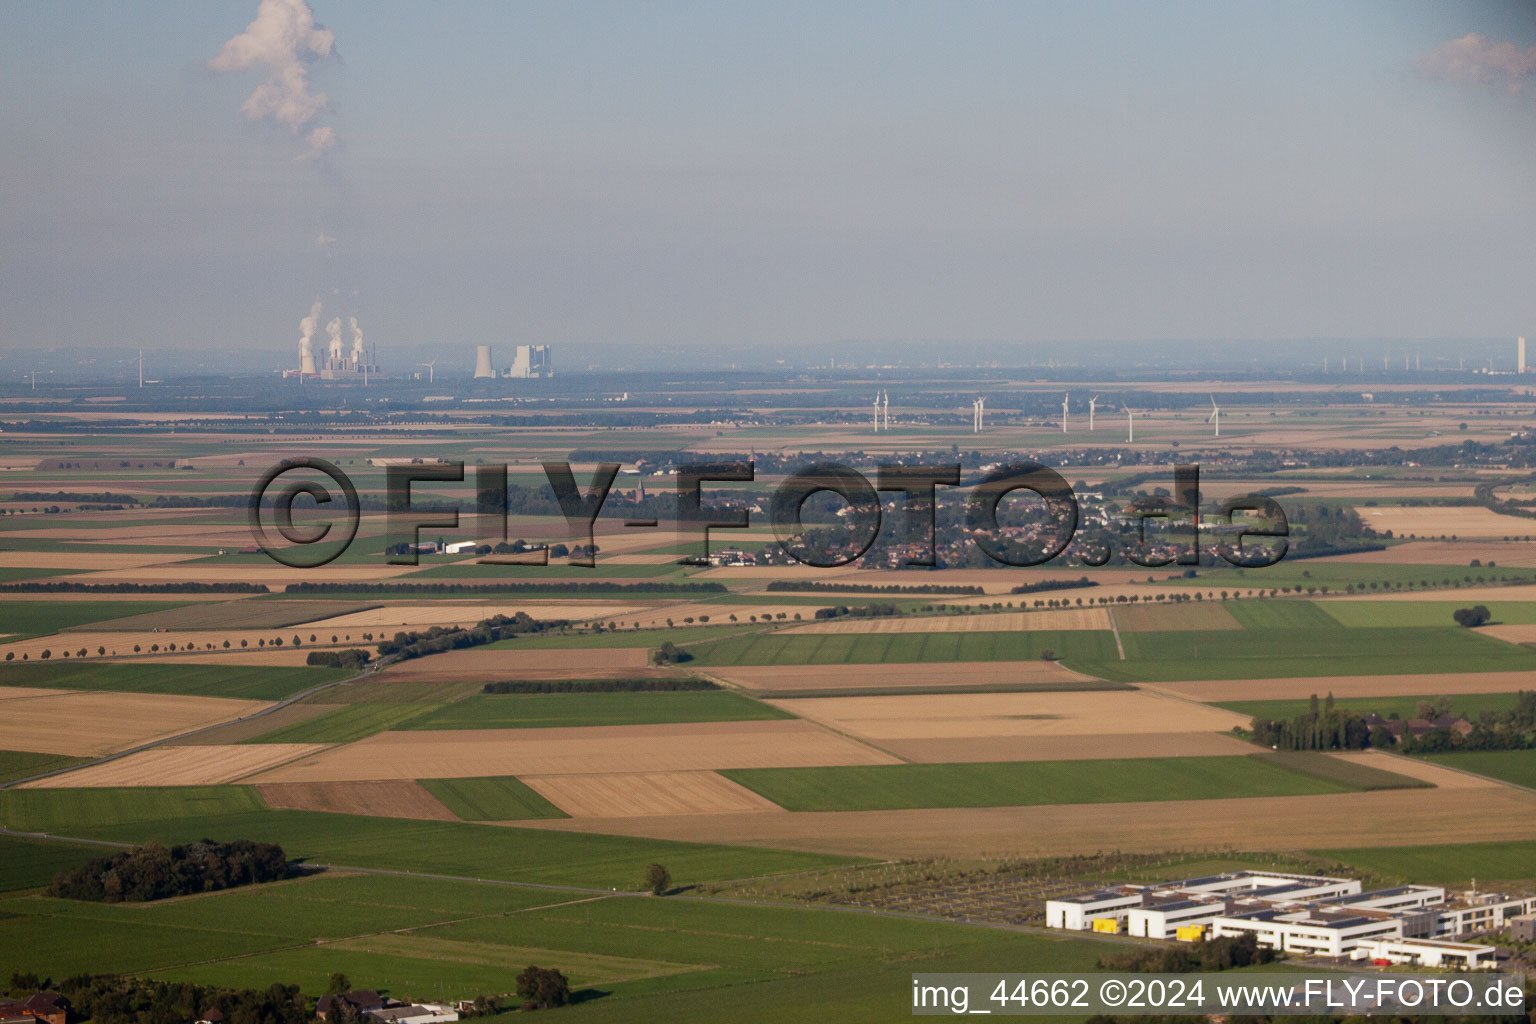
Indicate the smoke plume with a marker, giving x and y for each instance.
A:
(357, 336)
(1480, 60)
(283, 40)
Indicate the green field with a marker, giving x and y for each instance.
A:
(1333, 651)
(1426, 613)
(875, 648)
(240, 614)
(1337, 576)
(1452, 864)
(1517, 766)
(20, 764)
(499, 798)
(628, 958)
(246, 682)
(556, 641)
(180, 815)
(347, 724)
(30, 863)
(34, 618)
(1350, 774)
(1467, 705)
(1026, 783)
(550, 710)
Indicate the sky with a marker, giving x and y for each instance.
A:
(627, 179)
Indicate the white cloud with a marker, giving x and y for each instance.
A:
(1478, 59)
(283, 40)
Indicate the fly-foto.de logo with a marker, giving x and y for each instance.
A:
(1182, 527)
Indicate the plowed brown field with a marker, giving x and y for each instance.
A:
(1344, 686)
(389, 798)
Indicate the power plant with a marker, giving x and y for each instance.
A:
(532, 361)
(341, 362)
(528, 362)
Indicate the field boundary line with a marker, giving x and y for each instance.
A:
(1114, 627)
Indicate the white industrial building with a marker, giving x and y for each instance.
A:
(532, 361)
(1307, 914)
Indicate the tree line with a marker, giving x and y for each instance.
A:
(637, 685)
(154, 872)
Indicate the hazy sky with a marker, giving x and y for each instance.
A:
(764, 174)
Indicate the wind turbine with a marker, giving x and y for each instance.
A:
(1091, 403)
(1130, 425)
(431, 375)
(877, 412)
(885, 408)
(1064, 399)
(1215, 417)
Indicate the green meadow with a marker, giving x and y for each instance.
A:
(1026, 783)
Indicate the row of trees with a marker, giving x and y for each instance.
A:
(643, 685)
(352, 659)
(419, 643)
(154, 872)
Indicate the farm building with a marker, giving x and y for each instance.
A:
(48, 1007)
(1300, 913)
(429, 1013)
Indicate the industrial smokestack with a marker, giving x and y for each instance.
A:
(334, 330)
(359, 357)
(1520, 355)
(483, 362)
(306, 339)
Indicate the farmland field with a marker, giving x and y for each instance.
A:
(17, 764)
(491, 799)
(28, 863)
(551, 710)
(1466, 705)
(1426, 613)
(796, 649)
(346, 724)
(892, 787)
(245, 682)
(34, 618)
(1517, 766)
(1454, 864)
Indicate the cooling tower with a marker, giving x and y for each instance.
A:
(483, 362)
(306, 356)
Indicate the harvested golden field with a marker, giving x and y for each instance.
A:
(441, 613)
(608, 749)
(1385, 818)
(1067, 748)
(1511, 634)
(996, 622)
(1344, 686)
(386, 798)
(179, 766)
(510, 663)
(1139, 618)
(86, 723)
(1460, 553)
(647, 793)
(269, 656)
(18, 692)
(969, 716)
(924, 675)
(121, 644)
(1431, 521)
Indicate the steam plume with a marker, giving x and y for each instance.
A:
(283, 40)
(357, 339)
(1478, 59)
(334, 330)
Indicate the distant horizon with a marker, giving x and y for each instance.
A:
(194, 177)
